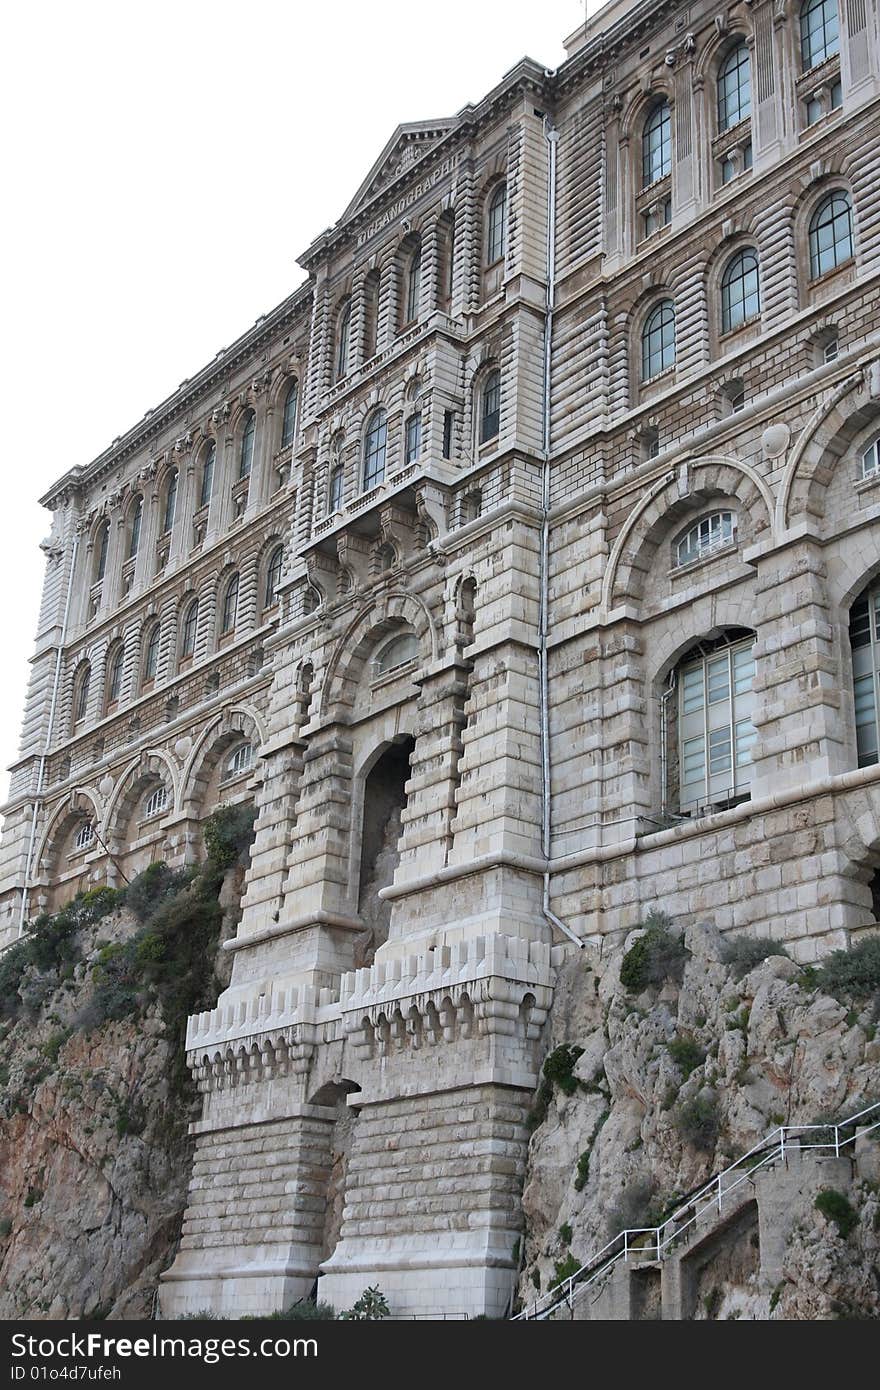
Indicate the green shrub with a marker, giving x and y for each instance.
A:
(686, 1054)
(744, 953)
(53, 1046)
(558, 1070)
(229, 834)
(565, 1233)
(657, 956)
(5, 1227)
(154, 886)
(372, 1306)
(699, 1123)
(34, 1196)
(535, 1277)
(305, 1311)
(853, 974)
(564, 1269)
(837, 1208)
(583, 1163)
(559, 1067)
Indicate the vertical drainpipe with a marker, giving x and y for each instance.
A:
(41, 772)
(551, 135)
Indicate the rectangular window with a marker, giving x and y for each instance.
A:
(413, 438)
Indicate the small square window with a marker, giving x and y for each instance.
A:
(836, 96)
(728, 170)
(814, 111)
(747, 155)
(830, 349)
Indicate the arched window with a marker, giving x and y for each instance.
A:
(831, 234)
(155, 803)
(864, 636)
(413, 285)
(115, 668)
(288, 423)
(343, 329)
(490, 407)
(375, 446)
(151, 653)
(273, 575)
(496, 226)
(740, 290)
(189, 629)
(413, 438)
(734, 88)
(134, 535)
(446, 240)
(334, 492)
(400, 651)
(658, 340)
(239, 760)
(371, 313)
(208, 474)
(820, 32)
(81, 693)
(103, 541)
(715, 730)
(84, 836)
(656, 144)
(246, 456)
(706, 535)
(170, 502)
(230, 605)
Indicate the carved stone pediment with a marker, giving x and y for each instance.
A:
(405, 148)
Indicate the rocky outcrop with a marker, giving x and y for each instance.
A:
(673, 1081)
(95, 1157)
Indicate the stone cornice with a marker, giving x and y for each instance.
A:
(528, 75)
(186, 395)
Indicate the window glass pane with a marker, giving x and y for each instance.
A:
(692, 689)
(658, 340)
(375, 444)
(740, 291)
(288, 426)
(208, 475)
(497, 226)
(246, 459)
(719, 752)
(656, 145)
(413, 437)
(734, 88)
(830, 234)
(490, 420)
(820, 37)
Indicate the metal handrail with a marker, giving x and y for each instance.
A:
(630, 1243)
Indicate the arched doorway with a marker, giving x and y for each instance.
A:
(384, 801)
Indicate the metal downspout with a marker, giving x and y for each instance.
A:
(551, 135)
(41, 772)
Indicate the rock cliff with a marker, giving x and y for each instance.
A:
(94, 1153)
(654, 1081)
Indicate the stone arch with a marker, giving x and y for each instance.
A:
(395, 609)
(148, 769)
(227, 729)
(714, 53)
(636, 112)
(82, 804)
(824, 439)
(729, 613)
(653, 516)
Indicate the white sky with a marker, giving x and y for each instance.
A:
(164, 163)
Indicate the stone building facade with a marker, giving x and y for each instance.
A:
(535, 582)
